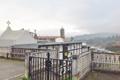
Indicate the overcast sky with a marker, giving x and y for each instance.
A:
(48, 16)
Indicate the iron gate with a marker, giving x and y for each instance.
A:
(50, 69)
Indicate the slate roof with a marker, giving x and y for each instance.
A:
(9, 36)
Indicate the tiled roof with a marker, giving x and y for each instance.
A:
(46, 37)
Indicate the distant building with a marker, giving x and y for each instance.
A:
(46, 38)
(17, 37)
(51, 38)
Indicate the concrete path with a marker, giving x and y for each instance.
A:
(10, 69)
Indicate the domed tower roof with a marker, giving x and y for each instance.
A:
(62, 28)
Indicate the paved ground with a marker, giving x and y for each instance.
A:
(10, 69)
(102, 76)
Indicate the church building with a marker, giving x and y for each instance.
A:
(23, 37)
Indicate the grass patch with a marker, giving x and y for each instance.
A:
(24, 78)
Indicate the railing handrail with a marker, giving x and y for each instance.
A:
(59, 43)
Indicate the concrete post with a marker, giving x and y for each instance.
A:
(27, 64)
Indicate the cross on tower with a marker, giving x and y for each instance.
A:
(8, 23)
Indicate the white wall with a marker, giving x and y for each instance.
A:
(4, 51)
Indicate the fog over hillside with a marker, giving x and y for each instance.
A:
(96, 35)
(99, 39)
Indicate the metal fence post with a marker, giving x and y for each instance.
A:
(65, 51)
(48, 65)
(92, 64)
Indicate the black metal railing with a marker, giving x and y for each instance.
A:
(50, 69)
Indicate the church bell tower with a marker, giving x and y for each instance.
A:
(62, 33)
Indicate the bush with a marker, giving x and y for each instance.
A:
(24, 78)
